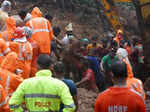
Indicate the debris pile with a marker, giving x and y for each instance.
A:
(86, 100)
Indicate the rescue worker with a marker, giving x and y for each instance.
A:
(122, 52)
(42, 31)
(132, 82)
(7, 35)
(35, 48)
(69, 35)
(9, 81)
(10, 63)
(119, 36)
(119, 98)
(4, 50)
(45, 93)
(23, 48)
(3, 100)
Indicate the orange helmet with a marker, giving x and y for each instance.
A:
(119, 32)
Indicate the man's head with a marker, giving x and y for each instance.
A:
(59, 69)
(84, 43)
(6, 6)
(44, 61)
(105, 42)
(122, 43)
(85, 64)
(56, 31)
(69, 34)
(113, 49)
(49, 17)
(119, 70)
(94, 41)
(112, 52)
(22, 13)
(92, 52)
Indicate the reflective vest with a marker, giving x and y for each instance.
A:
(4, 49)
(133, 82)
(10, 62)
(7, 36)
(9, 81)
(24, 52)
(3, 100)
(137, 85)
(45, 94)
(42, 33)
(36, 52)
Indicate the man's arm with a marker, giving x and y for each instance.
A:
(66, 99)
(17, 99)
(141, 105)
(75, 98)
(103, 63)
(84, 80)
(15, 81)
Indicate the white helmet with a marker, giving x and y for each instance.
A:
(28, 31)
(6, 5)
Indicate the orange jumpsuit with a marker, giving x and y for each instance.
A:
(120, 99)
(42, 31)
(4, 49)
(9, 81)
(3, 100)
(24, 53)
(7, 35)
(10, 62)
(36, 52)
(133, 82)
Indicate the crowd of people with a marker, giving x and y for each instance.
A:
(40, 72)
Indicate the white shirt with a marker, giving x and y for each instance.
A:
(65, 40)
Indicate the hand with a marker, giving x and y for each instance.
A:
(77, 84)
(54, 38)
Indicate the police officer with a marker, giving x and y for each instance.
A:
(42, 93)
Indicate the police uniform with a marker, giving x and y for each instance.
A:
(42, 94)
